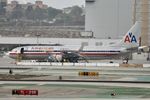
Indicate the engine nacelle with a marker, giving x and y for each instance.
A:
(57, 57)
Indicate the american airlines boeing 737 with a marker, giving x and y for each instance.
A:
(73, 53)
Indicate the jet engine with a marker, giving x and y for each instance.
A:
(55, 58)
(64, 57)
(70, 57)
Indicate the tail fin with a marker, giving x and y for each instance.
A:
(131, 38)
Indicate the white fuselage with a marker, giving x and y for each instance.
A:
(43, 52)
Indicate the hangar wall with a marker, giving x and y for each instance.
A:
(108, 18)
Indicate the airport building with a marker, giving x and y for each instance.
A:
(113, 18)
(108, 18)
(141, 12)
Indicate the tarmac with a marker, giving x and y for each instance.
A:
(73, 90)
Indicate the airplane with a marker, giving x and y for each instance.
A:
(72, 53)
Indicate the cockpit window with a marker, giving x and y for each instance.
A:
(15, 49)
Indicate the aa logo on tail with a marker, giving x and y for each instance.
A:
(130, 38)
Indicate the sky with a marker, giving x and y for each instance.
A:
(59, 4)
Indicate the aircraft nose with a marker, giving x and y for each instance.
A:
(7, 53)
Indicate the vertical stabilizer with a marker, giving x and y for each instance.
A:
(131, 38)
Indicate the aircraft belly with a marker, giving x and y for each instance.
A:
(35, 57)
(100, 57)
